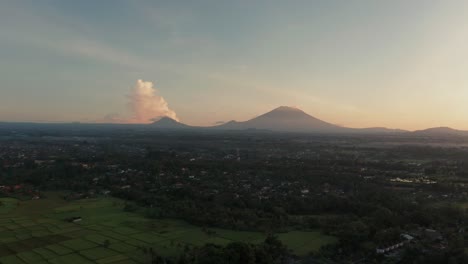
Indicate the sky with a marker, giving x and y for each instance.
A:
(360, 63)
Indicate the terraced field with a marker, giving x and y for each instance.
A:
(35, 232)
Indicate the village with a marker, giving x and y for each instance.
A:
(252, 183)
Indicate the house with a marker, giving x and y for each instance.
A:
(393, 246)
(389, 248)
(407, 237)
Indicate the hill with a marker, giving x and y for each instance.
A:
(440, 131)
(169, 123)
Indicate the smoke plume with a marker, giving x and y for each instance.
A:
(147, 105)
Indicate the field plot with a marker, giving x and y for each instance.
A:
(304, 242)
(36, 232)
(7, 205)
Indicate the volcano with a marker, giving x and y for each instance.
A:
(168, 123)
(285, 118)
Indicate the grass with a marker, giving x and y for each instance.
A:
(35, 232)
(30, 257)
(99, 239)
(7, 205)
(239, 235)
(304, 242)
(45, 253)
(70, 258)
(459, 205)
(149, 238)
(78, 244)
(98, 253)
(122, 247)
(11, 260)
(113, 259)
(59, 249)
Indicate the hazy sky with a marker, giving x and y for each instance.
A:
(355, 63)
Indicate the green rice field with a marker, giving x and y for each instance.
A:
(35, 232)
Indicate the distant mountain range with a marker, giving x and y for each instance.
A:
(281, 119)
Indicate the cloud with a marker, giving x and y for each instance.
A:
(112, 118)
(147, 105)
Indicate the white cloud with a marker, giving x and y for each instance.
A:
(147, 105)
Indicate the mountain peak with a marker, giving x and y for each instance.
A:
(165, 119)
(284, 108)
(285, 112)
(167, 122)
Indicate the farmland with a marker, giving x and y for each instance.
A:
(34, 231)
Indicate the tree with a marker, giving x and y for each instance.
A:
(238, 252)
